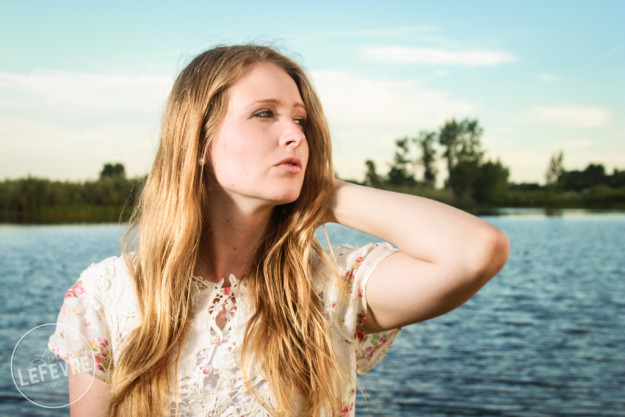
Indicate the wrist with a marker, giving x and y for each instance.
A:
(330, 215)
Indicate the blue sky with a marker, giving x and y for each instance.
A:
(83, 84)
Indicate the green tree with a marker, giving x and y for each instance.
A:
(448, 138)
(617, 179)
(463, 151)
(401, 172)
(555, 171)
(113, 171)
(595, 174)
(463, 178)
(371, 176)
(491, 185)
(425, 141)
(580, 181)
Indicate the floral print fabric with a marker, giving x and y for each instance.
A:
(102, 307)
(358, 351)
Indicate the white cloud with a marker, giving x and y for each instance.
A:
(549, 77)
(367, 114)
(434, 56)
(395, 31)
(570, 116)
(397, 105)
(65, 125)
(55, 93)
(422, 32)
(574, 143)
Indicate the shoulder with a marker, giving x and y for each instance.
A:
(106, 280)
(98, 310)
(351, 268)
(347, 308)
(348, 258)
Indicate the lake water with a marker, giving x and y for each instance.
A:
(545, 338)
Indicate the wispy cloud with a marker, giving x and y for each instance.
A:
(570, 116)
(574, 143)
(420, 32)
(82, 119)
(547, 77)
(66, 92)
(436, 56)
(367, 114)
(393, 31)
(405, 104)
(608, 53)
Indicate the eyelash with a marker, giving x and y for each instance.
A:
(266, 114)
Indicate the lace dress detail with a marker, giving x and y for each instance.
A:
(209, 370)
(102, 308)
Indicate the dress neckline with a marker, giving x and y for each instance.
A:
(203, 284)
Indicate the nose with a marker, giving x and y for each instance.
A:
(292, 134)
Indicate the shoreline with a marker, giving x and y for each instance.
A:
(481, 212)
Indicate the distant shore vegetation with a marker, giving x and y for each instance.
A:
(473, 182)
(110, 198)
(477, 183)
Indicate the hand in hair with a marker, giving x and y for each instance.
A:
(445, 257)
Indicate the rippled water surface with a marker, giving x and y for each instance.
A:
(545, 338)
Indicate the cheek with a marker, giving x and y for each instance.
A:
(306, 153)
(232, 161)
(216, 156)
(222, 147)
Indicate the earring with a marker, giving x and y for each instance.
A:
(201, 161)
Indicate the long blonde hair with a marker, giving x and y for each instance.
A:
(298, 360)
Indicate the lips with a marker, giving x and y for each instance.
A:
(293, 165)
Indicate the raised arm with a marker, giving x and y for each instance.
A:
(445, 257)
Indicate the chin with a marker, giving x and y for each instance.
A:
(286, 199)
(286, 196)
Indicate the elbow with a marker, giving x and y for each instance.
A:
(482, 260)
(493, 253)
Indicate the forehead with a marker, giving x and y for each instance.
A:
(264, 81)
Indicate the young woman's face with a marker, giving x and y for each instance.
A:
(260, 151)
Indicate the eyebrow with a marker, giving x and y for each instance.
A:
(275, 101)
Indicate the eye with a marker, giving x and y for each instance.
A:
(264, 114)
(300, 121)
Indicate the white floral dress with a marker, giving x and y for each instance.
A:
(102, 308)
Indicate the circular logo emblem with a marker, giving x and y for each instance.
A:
(42, 377)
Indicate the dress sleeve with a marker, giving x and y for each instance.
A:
(82, 334)
(356, 266)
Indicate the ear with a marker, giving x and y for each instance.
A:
(204, 157)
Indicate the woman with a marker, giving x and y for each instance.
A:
(228, 305)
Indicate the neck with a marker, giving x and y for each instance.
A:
(231, 236)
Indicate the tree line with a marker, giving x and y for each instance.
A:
(471, 177)
(110, 198)
(474, 181)
(581, 181)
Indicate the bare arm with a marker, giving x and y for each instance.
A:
(94, 402)
(445, 257)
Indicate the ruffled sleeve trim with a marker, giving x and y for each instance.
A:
(82, 336)
(356, 266)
